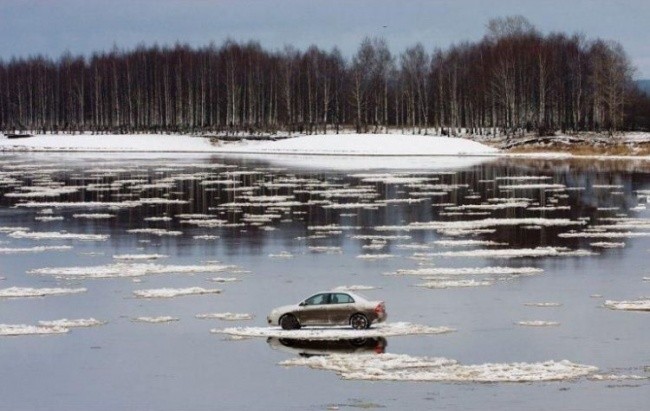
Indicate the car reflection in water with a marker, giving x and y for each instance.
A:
(310, 348)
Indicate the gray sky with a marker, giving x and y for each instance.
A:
(50, 27)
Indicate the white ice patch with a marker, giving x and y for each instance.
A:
(472, 271)
(26, 292)
(174, 292)
(225, 316)
(538, 323)
(281, 254)
(440, 284)
(627, 234)
(155, 320)
(482, 224)
(66, 323)
(335, 333)
(401, 367)
(128, 270)
(375, 256)
(466, 243)
(637, 305)
(39, 249)
(607, 244)
(325, 250)
(543, 304)
(94, 216)
(8, 330)
(616, 377)
(53, 235)
(154, 231)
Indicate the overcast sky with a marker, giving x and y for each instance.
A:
(51, 27)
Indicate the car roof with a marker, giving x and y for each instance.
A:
(353, 295)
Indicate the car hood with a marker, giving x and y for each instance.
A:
(284, 309)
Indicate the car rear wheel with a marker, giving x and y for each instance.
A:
(289, 322)
(359, 322)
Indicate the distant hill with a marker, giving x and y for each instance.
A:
(644, 85)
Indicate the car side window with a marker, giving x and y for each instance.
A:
(342, 299)
(317, 299)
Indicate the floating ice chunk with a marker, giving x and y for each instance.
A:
(205, 237)
(174, 292)
(38, 249)
(472, 271)
(225, 316)
(325, 250)
(24, 292)
(53, 235)
(466, 243)
(155, 320)
(281, 254)
(94, 216)
(616, 377)
(538, 323)
(224, 279)
(440, 284)
(128, 270)
(336, 333)
(154, 231)
(637, 305)
(47, 218)
(82, 204)
(129, 257)
(12, 229)
(606, 244)
(156, 219)
(66, 323)
(627, 234)
(543, 304)
(481, 224)
(512, 253)
(375, 256)
(22, 329)
(400, 367)
(531, 186)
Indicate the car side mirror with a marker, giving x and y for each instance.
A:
(302, 304)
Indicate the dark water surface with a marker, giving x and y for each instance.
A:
(125, 364)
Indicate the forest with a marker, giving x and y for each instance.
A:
(513, 81)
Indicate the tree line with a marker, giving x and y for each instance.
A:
(514, 80)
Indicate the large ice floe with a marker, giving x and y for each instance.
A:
(335, 333)
(9, 330)
(174, 292)
(53, 235)
(633, 305)
(38, 249)
(401, 367)
(67, 323)
(512, 253)
(447, 271)
(128, 270)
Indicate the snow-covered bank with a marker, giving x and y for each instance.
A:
(337, 145)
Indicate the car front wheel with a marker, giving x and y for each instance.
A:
(359, 322)
(289, 322)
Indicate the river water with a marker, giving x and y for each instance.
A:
(270, 232)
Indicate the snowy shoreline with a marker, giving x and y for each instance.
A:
(331, 145)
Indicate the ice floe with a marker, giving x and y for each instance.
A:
(38, 249)
(130, 257)
(128, 270)
(66, 323)
(512, 253)
(401, 367)
(24, 292)
(53, 235)
(635, 305)
(174, 292)
(335, 333)
(354, 288)
(156, 320)
(550, 304)
(470, 271)
(9, 330)
(440, 284)
(538, 323)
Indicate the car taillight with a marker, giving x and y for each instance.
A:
(380, 308)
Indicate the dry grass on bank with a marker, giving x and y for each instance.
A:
(642, 149)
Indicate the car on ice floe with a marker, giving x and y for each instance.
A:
(329, 308)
